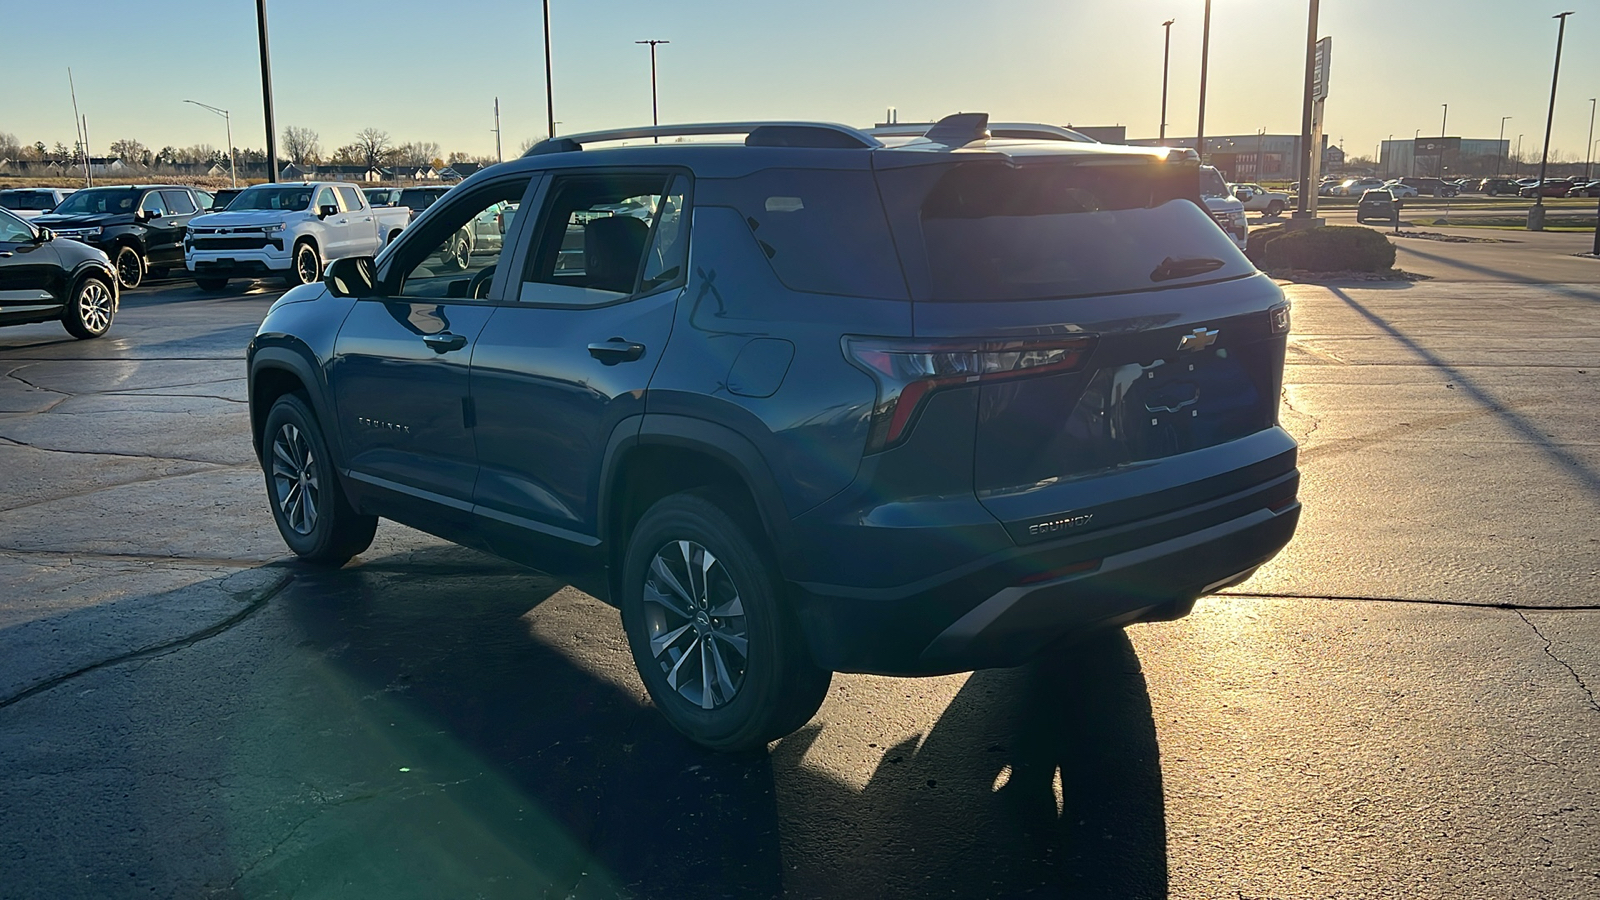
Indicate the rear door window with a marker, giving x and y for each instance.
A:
(596, 232)
(178, 202)
(351, 198)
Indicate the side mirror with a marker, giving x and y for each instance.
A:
(145, 215)
(352, 276)
(325, 211)
(44, 236)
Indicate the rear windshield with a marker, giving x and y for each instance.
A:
(419, 200)
(27, 200)
(1001, 232)
(293, 199)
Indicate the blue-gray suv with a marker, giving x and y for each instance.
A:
(804, 400)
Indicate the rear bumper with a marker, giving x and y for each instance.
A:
(993, 615)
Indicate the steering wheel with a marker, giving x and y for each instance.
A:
(478, 288)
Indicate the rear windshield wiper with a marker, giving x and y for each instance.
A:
(1183, 268)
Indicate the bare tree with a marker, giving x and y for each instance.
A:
(373, 146)
(10, 147)
(302, 145)
(130, 150)
(416, 153)
(527, 145)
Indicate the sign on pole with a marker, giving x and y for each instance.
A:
(1319, 78)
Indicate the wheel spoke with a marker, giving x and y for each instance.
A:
(738, 643)
(696, 591)
(653, 595)
(725, 683)
(660, 643)
(707, 699)
(732, 608)
(659, 567)
(673, 673)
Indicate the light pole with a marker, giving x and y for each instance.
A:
(549, 89)
(1518, 156)
(1306, 208)
(655, 118)
(1166, 65)
(1588, 159)
(1499, 146)
(233, 168)
(1387, 170)
(1414, 138)
(1536, 213)
(1439, 173)
(266, 93)
(1205, 53)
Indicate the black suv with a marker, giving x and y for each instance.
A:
(43, 280)
(809, 402)
(140, 227)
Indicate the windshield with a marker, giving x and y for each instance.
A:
(1212, 185)
(100, 200)
(292, 199)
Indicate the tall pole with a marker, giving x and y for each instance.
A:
(1416, 136)
(1166, 66)
(1536, 214)
(1588, 157)
(655, 118)
(1304, 210)
(1439, 172)
(498, 156)
(1499, 146)
(233, 170)
(266, 92)
(1205, 53)
(86, 167)
(1518, 156)
(78, 126)
(549, 89)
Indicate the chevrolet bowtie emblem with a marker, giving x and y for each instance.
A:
(1199, 339)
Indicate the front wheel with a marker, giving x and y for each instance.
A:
(1275, 208)
(130, 267)
(718, 649)
(307, 267)
(308, 504)
(89, 313)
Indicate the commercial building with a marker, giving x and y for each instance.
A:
(1245, 157)
(1444, 157)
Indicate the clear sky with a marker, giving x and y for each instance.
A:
(429, 71)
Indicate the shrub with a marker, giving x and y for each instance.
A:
(1332, 248)
(1256, 244)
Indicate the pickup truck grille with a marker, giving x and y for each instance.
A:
(236, 243)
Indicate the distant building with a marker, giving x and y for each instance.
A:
(1332, 158)
(1245, 157)
(1105, 134)
(1444, 157)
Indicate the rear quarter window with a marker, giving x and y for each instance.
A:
(822, 230)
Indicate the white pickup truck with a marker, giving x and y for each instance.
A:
(287, 231)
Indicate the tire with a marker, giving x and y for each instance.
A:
(771, 690)
(460, 252)
(1274, 209)
(297, 466)
(1360, 220)
(305, 266)
(129, 266)
(91, 309)
(212, 285)
(393, 236)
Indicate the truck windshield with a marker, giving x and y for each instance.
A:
(100, 200)
(291, 199)
(1211, 184)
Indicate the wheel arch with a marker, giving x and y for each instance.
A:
(275, 371)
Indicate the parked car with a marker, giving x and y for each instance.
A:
(1355, 186)
(1225, 208)
(910, 410)
(1258, 199)
(287, 231)
(1550, 188)
(1496, 186)
(140, 227)
(418, 199)
(1400, 190)
(1378, 203)
(43, 279)
(1433, 187)
(221, 199)
(1591, 189)
(30, 202)
(382, 196)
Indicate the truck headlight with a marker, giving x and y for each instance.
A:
(273, 229)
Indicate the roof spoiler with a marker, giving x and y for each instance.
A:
(961, 128)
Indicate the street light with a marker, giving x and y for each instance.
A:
(1588, 159)
(1205, 54)
(1166, 61)
(1440, 172)
(233, 171)
(655, 119)
(1414, 138)
(1536, 213)
(1498, 145)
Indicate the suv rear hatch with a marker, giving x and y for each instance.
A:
(1127, 357)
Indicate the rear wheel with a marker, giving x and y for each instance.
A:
(1275, 208)
(718, 649)
(308, 504)
(88, 314)
(130, 267)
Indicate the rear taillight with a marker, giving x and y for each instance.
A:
(908, 371)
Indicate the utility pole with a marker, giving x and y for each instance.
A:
(1307, 211)
(266, 92)
(233, 169)
(1205, 53)
(655, 118)
(78, 124)
(1588, 157)
(1166, 66)
(1439, 172)
(1416, 136)
(549, 89)
(1499, 146)
(498, 156)
(1536, 213)
(86, 167)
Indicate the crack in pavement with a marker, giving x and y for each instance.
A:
(1316, 421)
(161, 649)
(1548, 651)
(178, 562)
(1420, 601)
(187, 459)
(208, 467)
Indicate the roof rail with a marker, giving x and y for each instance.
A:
(757, 134)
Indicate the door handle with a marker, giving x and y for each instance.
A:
(616, 350)
(5, 253)
(444, 341)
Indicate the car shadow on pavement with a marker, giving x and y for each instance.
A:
(1040, 780)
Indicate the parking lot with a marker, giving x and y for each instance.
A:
(1401, 704)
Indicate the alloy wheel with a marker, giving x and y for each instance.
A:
(696, 624)
(130, 271)
(94, 306)
(295, 483)
(305, 265)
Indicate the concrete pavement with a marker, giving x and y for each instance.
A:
(1403, 704)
